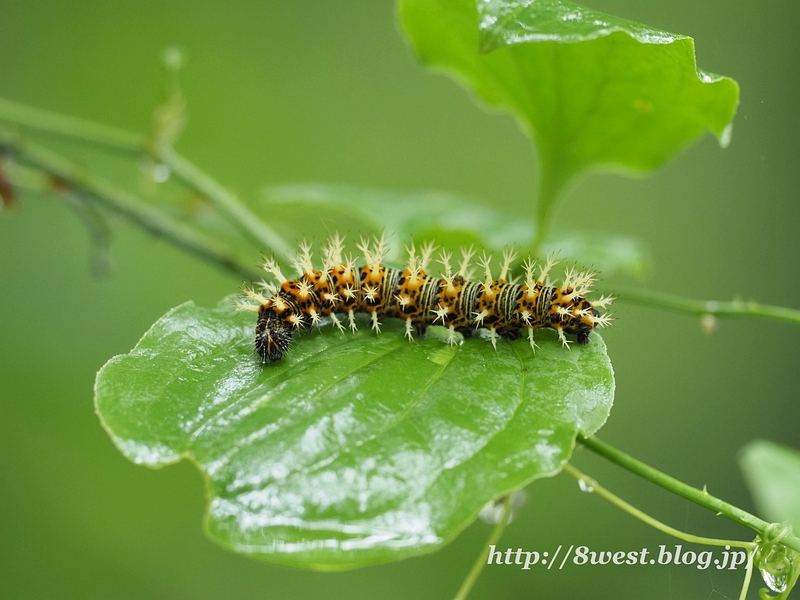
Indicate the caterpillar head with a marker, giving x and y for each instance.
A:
(273, 337)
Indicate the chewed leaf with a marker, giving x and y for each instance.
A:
(594, 91)
(355, 449)
(449, 219)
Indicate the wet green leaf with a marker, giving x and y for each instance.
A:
(772, 473)
(355, 449)
(593, 91)
(448, 219)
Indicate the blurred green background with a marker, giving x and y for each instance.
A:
(320, 91)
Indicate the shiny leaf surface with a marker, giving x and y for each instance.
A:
(355, 449)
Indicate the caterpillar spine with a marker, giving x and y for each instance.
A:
(452, 300)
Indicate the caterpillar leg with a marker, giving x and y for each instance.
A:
(421, 328)
(451, 336)
(493, 337)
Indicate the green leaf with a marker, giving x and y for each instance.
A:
(355, 449)
(772, 473)
(593, 91)
(605, 252)
(448, 219)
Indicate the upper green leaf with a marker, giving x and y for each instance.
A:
(504, 22)
(355, 449)
(772, 473)
(594, 91)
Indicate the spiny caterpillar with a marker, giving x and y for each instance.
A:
(342, 288)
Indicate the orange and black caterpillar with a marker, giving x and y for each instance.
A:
(342, 288)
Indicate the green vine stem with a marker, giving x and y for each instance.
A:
(258, 232)
(591, 484)
(735, 308)
(748, 574)
(483, 557)
(156, 222)
(126, 204)
(230, 206)
(92, 133)
(553, 182)
(701, 497)
(78, 129)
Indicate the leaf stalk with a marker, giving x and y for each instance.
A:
(482, 559)
(100, 135)
(126, 204)
(735, 308)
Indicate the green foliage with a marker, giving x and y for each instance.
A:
(772, 473)
(355, 449)
(593, 91)
(449, 220)
(361, 449)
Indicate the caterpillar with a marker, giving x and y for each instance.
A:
(452, 300)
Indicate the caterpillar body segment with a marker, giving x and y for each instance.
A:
(342, 289)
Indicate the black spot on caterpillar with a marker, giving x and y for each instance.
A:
(452, 300)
